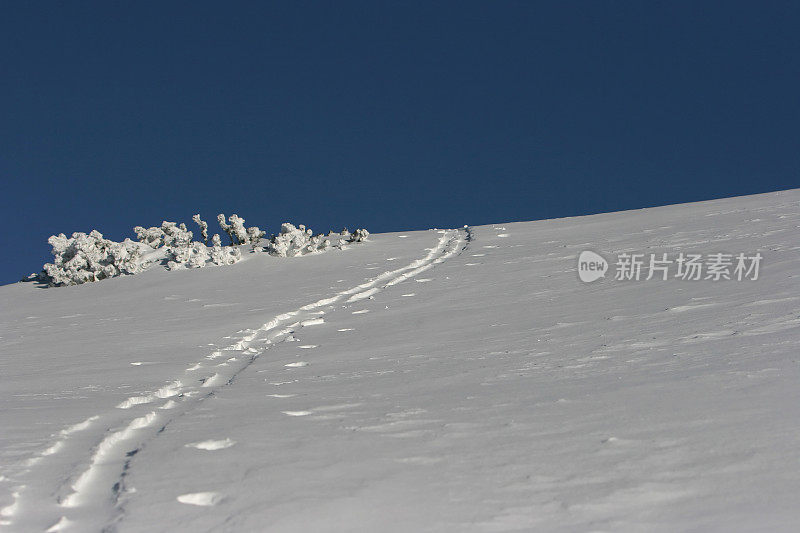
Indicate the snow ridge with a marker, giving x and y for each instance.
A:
(94, 496)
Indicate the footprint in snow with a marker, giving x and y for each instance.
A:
(212, 445)
(62, 524)
(203, 499)
(214, 379)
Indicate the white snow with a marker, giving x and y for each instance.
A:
(503, 394)
(203, 499)
(212, 444)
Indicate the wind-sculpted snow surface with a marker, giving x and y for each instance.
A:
(478, 385)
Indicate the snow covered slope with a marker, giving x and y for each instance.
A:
(458, 380)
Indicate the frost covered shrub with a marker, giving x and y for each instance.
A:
(254, 235)
(83, 258)
(199, 255)
(203, 227)
(292, 241)
(194, 256)
(318, 243)
(169, 234)
(237, 232)
(359, 235)
(223, 255)
(235, 229)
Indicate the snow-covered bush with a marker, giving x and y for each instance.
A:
(169, 234)
(359, 235)
(237, 232)
(203, 227)
(318, 243)
(226, 255)
(83, 258)
(290, 240)
(293, 241)
(194, 256)
(254, 235)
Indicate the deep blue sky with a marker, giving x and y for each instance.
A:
(388, 115)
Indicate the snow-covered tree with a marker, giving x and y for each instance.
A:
(83, 258)
(289, 241)
(317, 243)
(153, 237)
(203, 228)
(226, 255)
(359, 235)
(237, 232)
(254, 234)
(292, 241)
(169, 234)
(194, 256)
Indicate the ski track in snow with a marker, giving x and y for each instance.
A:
(95, 491)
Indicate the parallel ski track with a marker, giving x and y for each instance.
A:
(91, 497)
